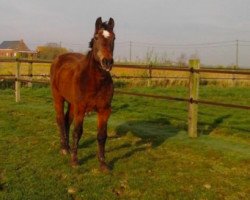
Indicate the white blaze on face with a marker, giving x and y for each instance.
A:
(105, 34)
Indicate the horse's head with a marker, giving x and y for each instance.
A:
(103, 43)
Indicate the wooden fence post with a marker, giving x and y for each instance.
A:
(149, 74)
(17, 82)
(193, 95)
(30, 70)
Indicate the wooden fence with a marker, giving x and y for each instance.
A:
(193, 100)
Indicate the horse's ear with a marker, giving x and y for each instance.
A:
(98, 24)
(111, 23)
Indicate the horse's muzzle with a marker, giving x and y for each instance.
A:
(107, 64)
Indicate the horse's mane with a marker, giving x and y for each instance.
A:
(104, 26)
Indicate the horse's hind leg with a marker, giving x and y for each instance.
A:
(68, 122)
(60, 119)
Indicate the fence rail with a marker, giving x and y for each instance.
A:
(4, 76)
(193, 70)
(146, 67)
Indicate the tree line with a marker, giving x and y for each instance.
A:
(50, 51)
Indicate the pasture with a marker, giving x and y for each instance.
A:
(148, 149)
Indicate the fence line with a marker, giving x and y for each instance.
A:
(163, 97)
(194, 78)
(185, 69)
(130, 77)
(146, 67)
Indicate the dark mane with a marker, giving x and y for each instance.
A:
(104, 26)
(91, 43)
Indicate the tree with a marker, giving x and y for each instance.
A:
(50, 51)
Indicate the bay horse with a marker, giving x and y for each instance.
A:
(84, 83)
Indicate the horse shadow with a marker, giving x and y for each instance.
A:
(208, 129)
(148, 133)
(86, 143)
(153, 132)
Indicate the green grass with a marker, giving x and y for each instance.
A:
(148, 149)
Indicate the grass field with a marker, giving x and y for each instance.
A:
(148, 150)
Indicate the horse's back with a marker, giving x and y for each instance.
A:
(68, 60)
(63, 70)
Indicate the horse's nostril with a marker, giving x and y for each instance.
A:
(104, 61)
(110, 62)
(107, 62)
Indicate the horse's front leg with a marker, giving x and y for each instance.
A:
(68, 121)
(103, 116)
(77, 133)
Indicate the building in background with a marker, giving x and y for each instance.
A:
(11, 48)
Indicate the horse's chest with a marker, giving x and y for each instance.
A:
(99, 98)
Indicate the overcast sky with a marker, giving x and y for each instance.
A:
(161, 26)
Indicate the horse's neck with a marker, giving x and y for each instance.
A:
(93, 69)
(91, 63)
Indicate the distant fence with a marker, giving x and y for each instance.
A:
(194, 82)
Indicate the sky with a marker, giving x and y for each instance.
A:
(163, 29)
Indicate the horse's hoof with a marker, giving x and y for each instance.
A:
(74, 164)
(64, 152)
(104, 168)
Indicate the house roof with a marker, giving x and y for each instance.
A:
(15, 45)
